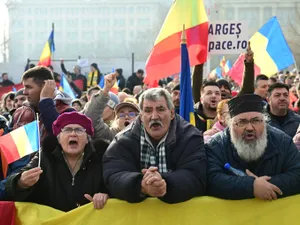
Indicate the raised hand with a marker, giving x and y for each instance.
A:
(249, 54)
(109, 82)
(48, 89)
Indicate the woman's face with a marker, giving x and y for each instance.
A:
(93, 69)
(73, 139)
(9, 103)
(224, 116)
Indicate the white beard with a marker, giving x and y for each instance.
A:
(249, 152)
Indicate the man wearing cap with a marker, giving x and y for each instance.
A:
(267, 160)
(176, 98)
(19, 99)
(70, 175)
(158, 155)
(104, 104)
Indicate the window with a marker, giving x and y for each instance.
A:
(251, 15)
(229, 14)
(131, 9)
(285, 15)
(143, 22)
(267, 14)
(72, 36)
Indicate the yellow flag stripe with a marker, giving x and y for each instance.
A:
(188, 12)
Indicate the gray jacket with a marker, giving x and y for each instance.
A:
(94, 110)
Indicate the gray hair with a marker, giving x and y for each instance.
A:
(154, 94)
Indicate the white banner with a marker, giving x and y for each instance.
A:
(229, 37)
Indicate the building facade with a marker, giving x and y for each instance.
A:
(89, 28)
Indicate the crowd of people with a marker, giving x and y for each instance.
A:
(134, 144)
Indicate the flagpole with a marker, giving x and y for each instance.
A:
(39, 147)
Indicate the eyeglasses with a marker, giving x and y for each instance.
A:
(244, 123)
(77, 130)
(130, 115)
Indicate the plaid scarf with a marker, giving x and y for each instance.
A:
(151, 156)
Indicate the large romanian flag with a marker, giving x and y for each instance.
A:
(164, 59)
(19, 143)
(45, 59)
(271, 52)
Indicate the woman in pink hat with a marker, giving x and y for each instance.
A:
(70, 175)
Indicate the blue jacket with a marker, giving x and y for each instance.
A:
(12, 168)
(281, 162)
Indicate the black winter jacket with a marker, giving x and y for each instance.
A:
(185, 156)
(54, 187)
(290, 124)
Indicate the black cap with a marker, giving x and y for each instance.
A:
(245, 103)
(20, 92)
(176, 88)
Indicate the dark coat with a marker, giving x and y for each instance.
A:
(281, 162)
(121, 82)
(54, 187)
(290, 124)
(203, 123)
(185, 156)
(133, 81)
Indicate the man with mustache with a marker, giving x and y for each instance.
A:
(158, 155)
(267, 159)
(278, 112)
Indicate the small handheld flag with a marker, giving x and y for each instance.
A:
(19, 143)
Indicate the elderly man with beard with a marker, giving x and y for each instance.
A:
(268, 160)
(158, 155)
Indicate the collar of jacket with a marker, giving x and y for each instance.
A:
(88, 151)
(290, 113)
(198, 108)
(271, 150)
(135, 129)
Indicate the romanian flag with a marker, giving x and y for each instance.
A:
(45, 59)
(227, 67)
(217, 72)
(223, 62)
(19, 143)
(115, 88)
(271, 52)
(65, 86)
(186, 98)
(164, 59)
